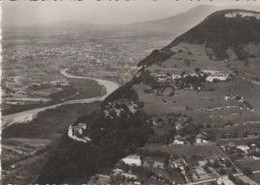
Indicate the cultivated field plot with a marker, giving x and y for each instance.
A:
(255, 177)
(254, 165)
(32, 143)
(187, 151)
(16, 149)
(26, 146)
(237, 141)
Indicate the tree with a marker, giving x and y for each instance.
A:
(247, 171)
(231, 177)
(222, 171)
(197, 70)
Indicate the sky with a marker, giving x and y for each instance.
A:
(26, 12)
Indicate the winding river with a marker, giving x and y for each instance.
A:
(28, 115)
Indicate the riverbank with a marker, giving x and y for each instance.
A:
(109, 86)
(45, 124)
(74, 90)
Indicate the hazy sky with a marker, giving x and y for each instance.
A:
(104, 11)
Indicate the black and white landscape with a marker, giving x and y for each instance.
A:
(96, 104)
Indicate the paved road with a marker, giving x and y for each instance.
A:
(10, 119)
(250, 181)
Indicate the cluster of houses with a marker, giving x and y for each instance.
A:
(214, 76)
(241, 13)
(242, 151)
(193, 81)
(224, 181)
(191, 171)
(200, 139)
(44, 85)
(159, 165)
(221, 164)
(241, 100)
(211, 75)
(75, 132)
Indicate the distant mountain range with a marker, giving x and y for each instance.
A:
(191, 82)
(180, 23)
(176, 24)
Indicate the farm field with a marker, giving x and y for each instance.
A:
(26, 146)
(202, 151)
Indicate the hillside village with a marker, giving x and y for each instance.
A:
(243, 14)
(161, 168)
(205, 125)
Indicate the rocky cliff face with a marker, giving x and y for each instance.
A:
(207, 76)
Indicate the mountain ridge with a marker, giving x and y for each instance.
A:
(170, 82)
(201, 27)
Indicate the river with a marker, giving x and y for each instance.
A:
(28, 115)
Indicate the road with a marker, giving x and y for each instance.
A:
(238, 169)
(240, 174)
(252, 81)
(28, 115)
(215, 179)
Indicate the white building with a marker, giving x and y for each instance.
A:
(224, 181)
(132, 160)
